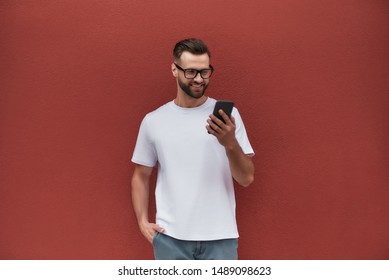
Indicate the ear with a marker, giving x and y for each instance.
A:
(174, 70)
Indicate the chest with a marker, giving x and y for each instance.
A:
(185, 135)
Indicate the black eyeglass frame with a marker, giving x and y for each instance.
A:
(197, 71)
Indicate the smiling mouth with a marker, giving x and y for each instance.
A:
(197, 85)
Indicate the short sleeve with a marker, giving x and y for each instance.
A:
(241, 134)
(144, 152)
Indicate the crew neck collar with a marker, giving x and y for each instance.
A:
(197, 108)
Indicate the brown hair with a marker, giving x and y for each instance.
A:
(192, 45)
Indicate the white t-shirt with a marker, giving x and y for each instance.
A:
(195, 197)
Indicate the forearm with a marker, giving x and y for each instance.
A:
(140, 186)
(241, 165)
(140, 199)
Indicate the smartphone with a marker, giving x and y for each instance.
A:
(226, 106)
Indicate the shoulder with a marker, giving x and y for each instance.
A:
(160, 111)
(235, 113)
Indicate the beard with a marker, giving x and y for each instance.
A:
(191, 91)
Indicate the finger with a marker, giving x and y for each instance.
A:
(215, 128)
(216, 120)
(158, 228)
(224, 116)
(149, 234)
(150, 237)
(209, 129)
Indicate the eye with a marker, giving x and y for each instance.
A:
(191, 72)
(206, 72)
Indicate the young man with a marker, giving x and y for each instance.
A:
(197, 157)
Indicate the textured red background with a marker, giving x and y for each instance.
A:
(310, 78)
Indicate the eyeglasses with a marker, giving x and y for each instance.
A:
(192, 73)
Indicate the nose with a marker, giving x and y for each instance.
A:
(198, 78)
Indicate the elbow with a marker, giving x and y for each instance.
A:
(247, 182)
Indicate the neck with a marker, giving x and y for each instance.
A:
(185, 101)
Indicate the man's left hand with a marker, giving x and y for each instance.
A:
(224, 132)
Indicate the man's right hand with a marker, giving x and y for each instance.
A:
(149, 230)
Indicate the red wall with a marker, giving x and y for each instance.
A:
(309, 77)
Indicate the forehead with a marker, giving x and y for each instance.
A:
(189, 60)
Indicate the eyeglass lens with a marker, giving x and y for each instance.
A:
(191, 73)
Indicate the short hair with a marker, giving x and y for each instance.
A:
(192, 45)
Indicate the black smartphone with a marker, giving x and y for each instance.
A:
(226, 106)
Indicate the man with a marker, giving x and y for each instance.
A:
(194, 192)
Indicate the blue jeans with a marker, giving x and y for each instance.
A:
(169, 248)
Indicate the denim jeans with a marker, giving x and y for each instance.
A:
(169, 248)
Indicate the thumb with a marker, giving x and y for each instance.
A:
(158, 228)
